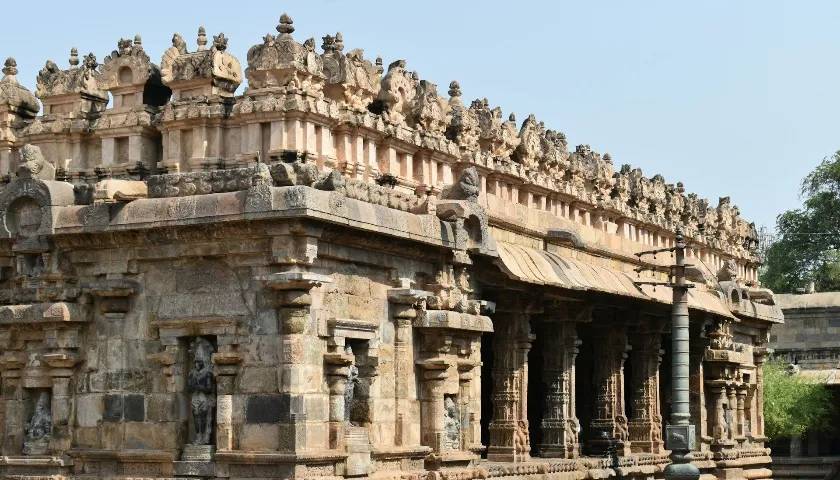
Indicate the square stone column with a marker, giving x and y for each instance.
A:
(646, 426)
(560, 426)
(301, 359)
(609, 420)
(509, 434)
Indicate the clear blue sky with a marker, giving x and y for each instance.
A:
(732, 98)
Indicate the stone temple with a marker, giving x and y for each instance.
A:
(342, 273)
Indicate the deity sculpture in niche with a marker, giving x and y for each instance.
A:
(38, 429)
(451, 424)
(350, 389)
(202, 386)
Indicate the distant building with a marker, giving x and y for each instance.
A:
(809, 340)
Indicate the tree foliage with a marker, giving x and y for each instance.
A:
(807, 245)
(793, 404)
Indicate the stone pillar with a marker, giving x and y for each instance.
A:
(719, 428)
(609, 421)
(225, 367)
(61, 401)
(404, 303)
(560, 425)
(697, 395)
(509, 438)
(337, 372)
(741, 419)
(732, 413)
(11, 364)
(296, 298)
(646, 426)
(431, 404)
(759, 357)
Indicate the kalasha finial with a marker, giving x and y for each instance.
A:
(138, 42)
(454, 89)
(10, 67)
(285, 27)
(220, 42)
(202, 38)
(512, 118)
(607, 158)
(74, 57)
(339, 41)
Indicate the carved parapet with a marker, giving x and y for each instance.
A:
(205, 72)
(215, 181)
(349, 78)
(77, 86)
(14, 97)
(281, 62)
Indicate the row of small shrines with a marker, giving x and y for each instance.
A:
(145, 131)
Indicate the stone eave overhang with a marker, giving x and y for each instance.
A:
(259, 203)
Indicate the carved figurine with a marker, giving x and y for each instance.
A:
(38, 429)
(202, 385)
(350, 390)
(451, 424)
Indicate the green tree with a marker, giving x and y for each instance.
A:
(807, 244)
(793, 404)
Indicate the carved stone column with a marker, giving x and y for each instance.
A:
(432, 404)
(560, 425)
(509, 437)
(225, 367)
(646, 425)
(405, 303)
(609, 421)
(759, 358)
(719, 428)
(740, 417)
(337, 372)
(697, 395)
(297, 296)
(732, 413)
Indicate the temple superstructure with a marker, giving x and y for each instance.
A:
(341, 273)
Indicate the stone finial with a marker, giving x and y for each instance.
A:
(138, 41)
(285, 27)
(328, 43)
(10, 68)
(378, 63)
(339, 41)
(454, 89)
(90, 61)
(607, 158)
(220, 42)
(124, 46)
(202, 38)
(74, 57)
(512, 118)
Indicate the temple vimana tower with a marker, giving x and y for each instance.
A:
(344, 271)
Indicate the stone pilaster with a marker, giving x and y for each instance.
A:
(646, 426)
(609, 421)
(509, 437)
(759, 358)
(740, 412)
(337, 372)
(297, 296)
(405, 303)
(559, 424)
